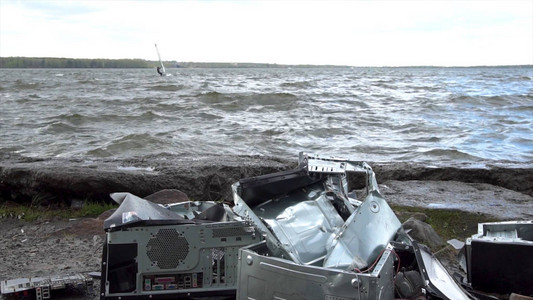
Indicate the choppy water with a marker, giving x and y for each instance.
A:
(374, 114)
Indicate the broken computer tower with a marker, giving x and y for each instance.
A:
(180, 250)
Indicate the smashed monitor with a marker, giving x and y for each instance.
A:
(179, 250)
(322, 243)
(499, 257)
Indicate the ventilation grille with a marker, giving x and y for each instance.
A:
(224, 232)
(167, 249)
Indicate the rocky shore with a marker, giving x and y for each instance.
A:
(210, 177)
(39, 248)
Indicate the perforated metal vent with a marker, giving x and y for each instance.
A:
(167, 249)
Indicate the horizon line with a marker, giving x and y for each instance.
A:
(283, 64)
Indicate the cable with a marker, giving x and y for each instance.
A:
(376, 261)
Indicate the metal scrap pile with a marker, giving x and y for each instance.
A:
(320, 243)
(296, 234)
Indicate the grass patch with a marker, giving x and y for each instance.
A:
(35, 212)
(94, 209)
(448, 223)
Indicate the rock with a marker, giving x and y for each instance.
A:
(419, 216)
(513, 176)
(482, 188)
(202, 178)
(470, 197)
(96, 240)
(167, 196)
(422, 232)
(76, 204)
(404, 215)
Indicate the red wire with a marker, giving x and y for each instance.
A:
(397, 256)
(376, 261)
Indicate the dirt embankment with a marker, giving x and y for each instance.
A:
(57, 180)
(207, 177)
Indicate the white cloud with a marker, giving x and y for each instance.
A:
(291, 32)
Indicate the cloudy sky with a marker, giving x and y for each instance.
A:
(357, 33)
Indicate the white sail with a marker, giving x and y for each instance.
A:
(160, 61)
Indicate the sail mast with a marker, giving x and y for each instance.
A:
(160, 61)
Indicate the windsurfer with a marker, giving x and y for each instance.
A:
(159, 71)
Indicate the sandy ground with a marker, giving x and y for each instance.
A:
(43, 248)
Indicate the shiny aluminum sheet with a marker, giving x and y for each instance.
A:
(364, 235)
(262, 276)
(303, 223)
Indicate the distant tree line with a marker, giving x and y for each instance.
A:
(246, 65)
(226, 65)
(65, 63)
(52, 62)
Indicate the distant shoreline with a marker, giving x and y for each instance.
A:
(102, 63)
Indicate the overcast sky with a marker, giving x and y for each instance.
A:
(356, 33)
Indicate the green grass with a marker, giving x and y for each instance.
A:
(35, 212)
(448, 223)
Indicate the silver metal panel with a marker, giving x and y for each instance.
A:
(439, 278)
(506, 232)
(303, 223)
(266, 277)
(133, 210)
(208, 251)
(331, 165)
(190, 209)
(242, 210)
(364, 235)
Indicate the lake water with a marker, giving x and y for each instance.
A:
(429, 115)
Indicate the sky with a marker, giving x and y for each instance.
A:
(349, 32)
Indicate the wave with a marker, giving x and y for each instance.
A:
(129, 145)
(88, 81)
(490, 101)
(521, 78)
(59, 128)
(76, 119)
(71, 118)
(248, 102)
(167, 88)
(268, 99)
(214, 97)
(148, 115)
(522, 141)
(298, 84)
(522, 108)
(400, 114)
(22, 85)
(208, 116)
(449, 154)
